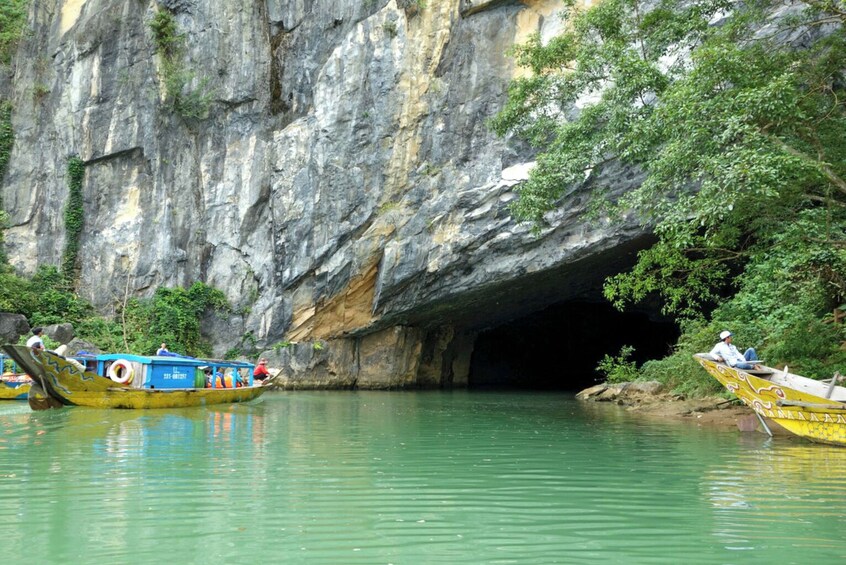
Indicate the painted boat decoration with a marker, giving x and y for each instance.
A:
(14, 385)
(14, 390)
(814, 410)
(132, 381)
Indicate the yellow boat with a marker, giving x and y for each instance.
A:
(13, 385)
(14, 390)
(131, 381)
(814, 410)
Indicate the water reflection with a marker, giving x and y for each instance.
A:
(408, 478)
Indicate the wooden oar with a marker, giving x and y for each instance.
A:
(764, 424)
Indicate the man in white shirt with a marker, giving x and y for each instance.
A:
(727, 353)
(35, 341)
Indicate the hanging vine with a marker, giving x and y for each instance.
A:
(7, 140)
(73, 219)
(176, 74)
(7, 137)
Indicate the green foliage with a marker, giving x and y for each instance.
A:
(249, 341)
(44, 299)
(741, 137)
(12, 25)
(233, 353)
(390, 28)
(104, 333)
(734, 130)
(166, 33)
(192, 103)
(787, 291)
(7, 141)
(172, 315)
(679, 372)
(13, 292)
(74, 217)
(39, 91)
(4, 221)
(7, 136)
(619, 368)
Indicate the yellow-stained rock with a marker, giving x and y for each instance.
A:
(343, 312)
(71, 9)
(389, 359)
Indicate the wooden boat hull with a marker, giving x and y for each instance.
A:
(14, 391)
(807, 415)
(62, 382)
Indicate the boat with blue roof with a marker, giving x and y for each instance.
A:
(14, 384)
(132, 381)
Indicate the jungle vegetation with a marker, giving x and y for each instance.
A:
(734, 112)
(171, 315)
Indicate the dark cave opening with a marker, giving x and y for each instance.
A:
(558, 348)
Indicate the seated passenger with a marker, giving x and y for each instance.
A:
(727, 353)
(234, 380)
(35, 341)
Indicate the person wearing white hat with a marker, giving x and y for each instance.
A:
(727, 353)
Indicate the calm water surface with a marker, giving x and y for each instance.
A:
(409, 478)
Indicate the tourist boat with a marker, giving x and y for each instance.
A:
(130, 381)
(14, 385)
(815, 410)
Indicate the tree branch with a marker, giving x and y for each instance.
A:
(838, 182)
(825, 200)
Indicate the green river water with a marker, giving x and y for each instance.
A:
(409, 478)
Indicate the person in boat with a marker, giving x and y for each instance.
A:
(233, 379)
(216, 381)
(725, 352)
(260, 373)
(35, 342)
(63, 351)
(163, 352)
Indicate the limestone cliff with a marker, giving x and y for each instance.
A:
(338, 180)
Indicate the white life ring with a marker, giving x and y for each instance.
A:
(125, 376)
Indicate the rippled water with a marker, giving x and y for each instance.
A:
(430, 477)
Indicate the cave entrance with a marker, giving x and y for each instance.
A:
(559, 347)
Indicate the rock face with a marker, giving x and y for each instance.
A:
(12, 327)
(339, 182)
(62, 333)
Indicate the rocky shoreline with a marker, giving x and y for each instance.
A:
(651, 399)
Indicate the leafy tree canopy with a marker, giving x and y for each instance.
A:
(735, 114)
